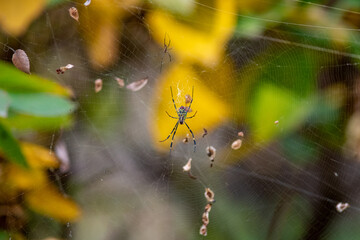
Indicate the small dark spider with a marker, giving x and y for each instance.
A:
(166, 50)
(182, 116)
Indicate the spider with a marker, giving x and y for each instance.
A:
(166, 50)
(182, 116)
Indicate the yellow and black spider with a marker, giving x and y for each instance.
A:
(182, 116)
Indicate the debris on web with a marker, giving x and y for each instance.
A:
(87, 3)
(340, 207)
(136, 86)
(120, 82)
(21, 61)
(98, 85)
(205, 133)
(62, 70)
(74, 13)
(211, 153)
(186, 139)
(209, 195)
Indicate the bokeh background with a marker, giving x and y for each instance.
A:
(80, 164)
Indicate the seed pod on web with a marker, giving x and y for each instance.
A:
(340, 207)
(136, 86)
(187, 98)
(21, 61)
(236, 144)
(187, 166)
(209, 195)
(74, 13)
(63, 69)
(98, 85)
(211, 152)
(120, 82)
(186, 139)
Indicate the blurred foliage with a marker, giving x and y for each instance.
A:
(17, 15)
(287, 79)
(33, 103)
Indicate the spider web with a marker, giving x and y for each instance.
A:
(128, 189)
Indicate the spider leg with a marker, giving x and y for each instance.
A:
(192, 136)
(171, 132)
(172, 97)
(169, 55)
(172, 139)
(192, 115)
(170, 115)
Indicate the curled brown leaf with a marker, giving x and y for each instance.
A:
(74, 13)
(98, 85)
(136, 86)
(21, 61)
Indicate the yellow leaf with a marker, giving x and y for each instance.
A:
(48, 201)
(212, 110)
(16, 15)
(102, 26)
(193, 44)
(38, 156)
(18, 178)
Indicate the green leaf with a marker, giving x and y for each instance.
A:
(272, 104)
(53, 3)
(4, 235)
(13, 80)
(41, 104)
(10, 148)
(28, 122)
(4, 103)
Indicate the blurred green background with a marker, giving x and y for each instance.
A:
(75, 163)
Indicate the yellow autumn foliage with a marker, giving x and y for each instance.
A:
(47, 200)
(192, 44)
(41, 195)
(101, 25)
(16, 15)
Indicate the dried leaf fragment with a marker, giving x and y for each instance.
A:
(205, 217)
(62, 154)
(120, 82)
(205, 132)
(191, 176)
(87, 3)
(340, 207)
(187, 99)
(208, 207)
(209, 195)
(136, 86)
(21, 61)
(187, 166)
(186, 139)
(211, 152)
(98, 85)
(74, 13)
(236, 144)
(203, 230)
(64, 69)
